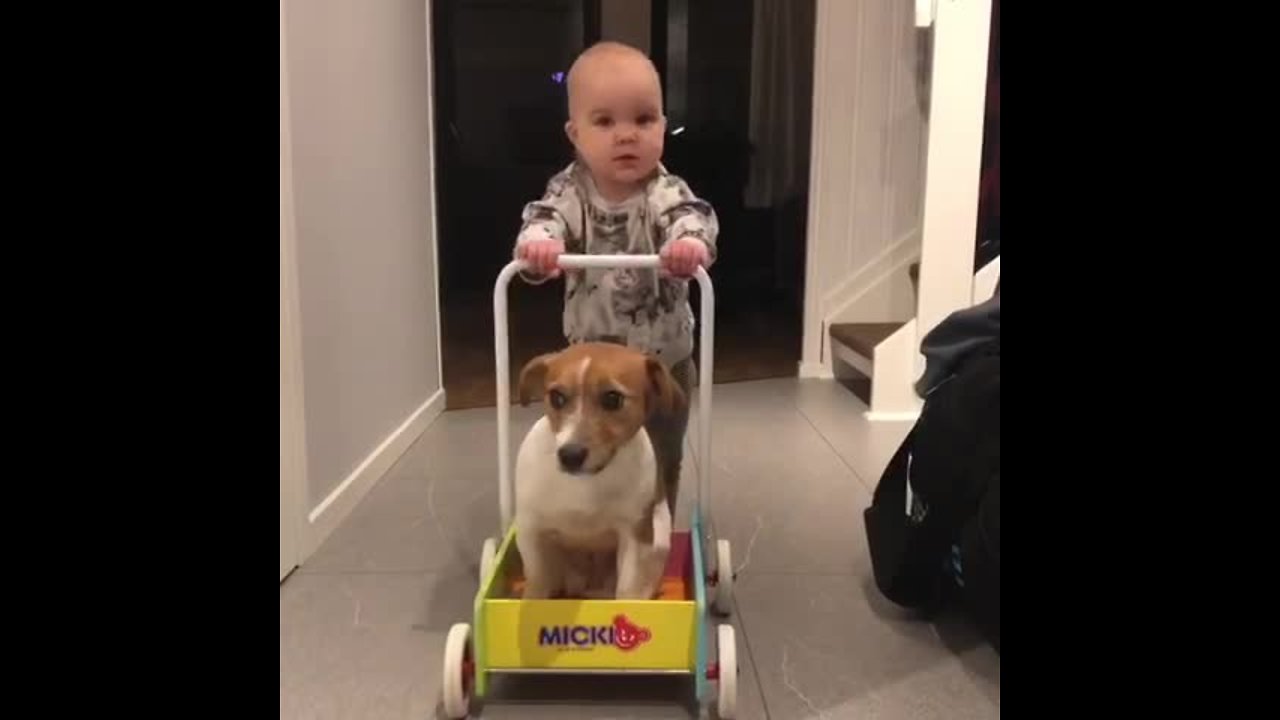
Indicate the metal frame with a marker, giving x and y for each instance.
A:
(502, 368)
(473, 672)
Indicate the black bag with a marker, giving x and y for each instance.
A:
(933, 527)
(979, 575)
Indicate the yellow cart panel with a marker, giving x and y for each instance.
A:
(653, 635)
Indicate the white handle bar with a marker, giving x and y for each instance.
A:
(506, 484)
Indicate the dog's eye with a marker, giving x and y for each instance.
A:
(611, 400)
(557, 399)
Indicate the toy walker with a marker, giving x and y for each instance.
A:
(665, 635)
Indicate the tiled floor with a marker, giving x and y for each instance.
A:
(362, 624)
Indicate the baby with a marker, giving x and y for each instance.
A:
(617, 198)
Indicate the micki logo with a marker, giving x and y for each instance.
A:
(622, 634)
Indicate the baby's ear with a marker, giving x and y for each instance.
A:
(571, 131)
(533, 378)
(664, 395)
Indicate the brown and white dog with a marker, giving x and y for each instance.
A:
(591, 515)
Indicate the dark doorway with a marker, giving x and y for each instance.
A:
(739, 78)
(500, 112)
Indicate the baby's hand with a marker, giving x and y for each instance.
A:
(542, 256)
(684, 256)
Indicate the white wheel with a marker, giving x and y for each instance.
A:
(455, 680)
(488, 555)
(723, 601)
(727, 697)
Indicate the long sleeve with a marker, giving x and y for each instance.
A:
(680, 214)
(557, 215)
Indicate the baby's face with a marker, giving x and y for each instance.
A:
(616, 122)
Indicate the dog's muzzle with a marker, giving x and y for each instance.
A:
(572, 456)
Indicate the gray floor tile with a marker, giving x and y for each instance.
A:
(782, 496)
(830, 647)
(365, 646)
(433, 509)
(363, 621)
(836, 413)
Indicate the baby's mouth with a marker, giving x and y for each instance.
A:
(626, 157)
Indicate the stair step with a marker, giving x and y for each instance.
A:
(862, 338)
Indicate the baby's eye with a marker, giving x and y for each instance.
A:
(645, 120)
(603, 121)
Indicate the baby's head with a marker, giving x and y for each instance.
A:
(615, 115)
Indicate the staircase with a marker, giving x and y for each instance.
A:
(855, 347)
(854, 344)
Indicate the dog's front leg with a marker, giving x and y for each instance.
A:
(629, 587)
(634, 582)
(543, 568)
(653, 555)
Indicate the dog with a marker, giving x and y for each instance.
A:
(592, 517)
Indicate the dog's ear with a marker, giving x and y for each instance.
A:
(533, 378)
(664, 395)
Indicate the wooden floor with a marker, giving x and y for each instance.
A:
(753, 342)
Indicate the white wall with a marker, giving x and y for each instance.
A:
(360, 135)
(293, 470)
(867, 173)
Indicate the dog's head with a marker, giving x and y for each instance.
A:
(597, 397)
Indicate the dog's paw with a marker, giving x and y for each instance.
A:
(538, 589)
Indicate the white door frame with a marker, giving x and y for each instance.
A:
(957, 97)
(293, 455)
(957, 116)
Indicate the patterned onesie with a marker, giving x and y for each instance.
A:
(637, 308)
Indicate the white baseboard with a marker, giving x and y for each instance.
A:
(335, 508)
(815, 371)
(892, 416)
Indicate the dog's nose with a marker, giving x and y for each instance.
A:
(572, 456)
